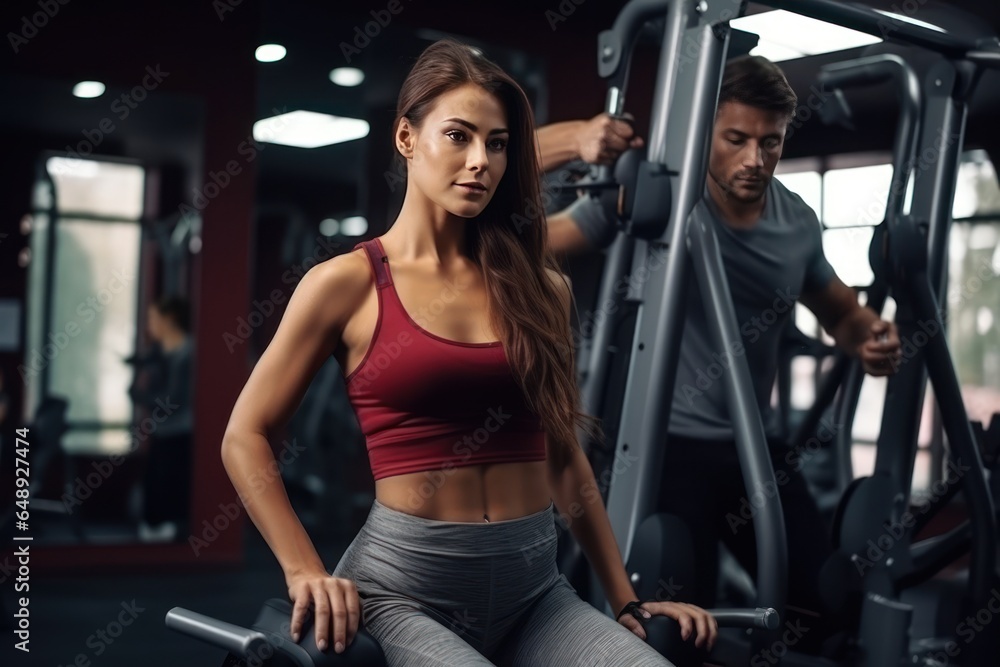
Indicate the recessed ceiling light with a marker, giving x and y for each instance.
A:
(775, 52)
(88, 89)
(329, 227)
(356, 225)
(347, 76)
(308, 129)
(72, 167)
(269, 53)
(786, 35)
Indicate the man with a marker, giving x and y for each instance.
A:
(771, 246)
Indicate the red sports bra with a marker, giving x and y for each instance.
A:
(427, 403)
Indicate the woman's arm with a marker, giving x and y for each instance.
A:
(309, 332)
(578, 499)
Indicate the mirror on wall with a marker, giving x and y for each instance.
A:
(100, 365)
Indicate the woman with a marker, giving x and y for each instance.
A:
(453, 332)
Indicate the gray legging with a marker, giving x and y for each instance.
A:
(455, 594)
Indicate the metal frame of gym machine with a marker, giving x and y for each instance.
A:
(694, 48)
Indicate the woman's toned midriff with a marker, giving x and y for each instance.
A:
(496, 491)
(476, 493)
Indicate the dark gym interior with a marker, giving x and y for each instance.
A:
(196, 202)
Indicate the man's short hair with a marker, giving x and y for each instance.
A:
(757, 82)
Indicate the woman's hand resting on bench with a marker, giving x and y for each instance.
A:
(692, 619)
(335, 602)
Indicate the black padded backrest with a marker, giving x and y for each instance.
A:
(664, 635)
(663, 557)
(864, 508)
(626, 173)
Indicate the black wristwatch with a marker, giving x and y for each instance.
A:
(632, 608)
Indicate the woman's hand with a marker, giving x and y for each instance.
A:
(333, 599)
(692, 619)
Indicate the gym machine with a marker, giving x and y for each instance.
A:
(912, 247)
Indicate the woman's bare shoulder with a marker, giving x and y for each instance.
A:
(559, 279)
(563, 287)
(560, 282)
(340, 284)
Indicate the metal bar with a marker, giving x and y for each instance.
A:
(614, 46)
(954, 486)
(989, 218)
(92, 217)
(863, 71)
(932, 555)
(963, 442)
(609, 302)
(658, 276)
(49, 281)
(747, 618)
(824, 397)
(233, 638)
(939, 156)
(660, 315)
(748, 426)
(876, 69)
(934, 167)
(666, 80)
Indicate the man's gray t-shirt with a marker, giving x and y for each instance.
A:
(768, 267)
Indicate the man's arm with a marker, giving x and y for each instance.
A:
(599, 140)
(557, 144)
(857, 330)
(583, 225)
(565, 237)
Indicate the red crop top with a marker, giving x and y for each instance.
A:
(428, 403)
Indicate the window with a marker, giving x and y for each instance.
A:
(974, 286)
(82, 296)
(850, 202)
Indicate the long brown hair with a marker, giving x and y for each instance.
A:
(508, 241)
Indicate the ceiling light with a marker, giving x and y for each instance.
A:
(72, 167)
(347, 76)
(775, 52)
(329, 227)
(88, 89)
(269, 53)
(356, 225)
(786, 35)
(308, 129)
